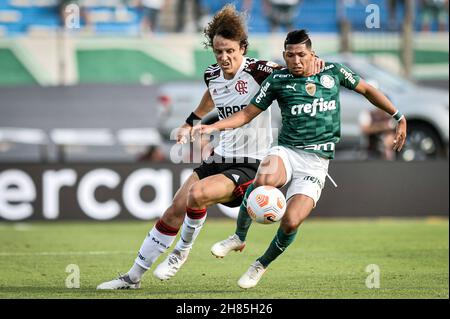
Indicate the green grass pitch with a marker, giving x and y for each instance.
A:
(327, 260)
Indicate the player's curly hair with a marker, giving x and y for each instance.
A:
(230, 24)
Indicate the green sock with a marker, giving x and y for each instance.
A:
(244, 220)
(279, 243)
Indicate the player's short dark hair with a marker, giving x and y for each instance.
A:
(230, 24)
(298, 36)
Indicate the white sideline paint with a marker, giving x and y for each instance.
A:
(22, 227)
(65, 253)
(16, 227)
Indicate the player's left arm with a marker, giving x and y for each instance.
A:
(377, 98)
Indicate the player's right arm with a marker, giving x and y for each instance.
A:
(205, 106)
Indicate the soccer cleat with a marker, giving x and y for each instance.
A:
(123, 282)
(222, 248)
(170, 266)
(251, 278)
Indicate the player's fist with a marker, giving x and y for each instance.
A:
(202, 129)
(183, 133)
(208, 129)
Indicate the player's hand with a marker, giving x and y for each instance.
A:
(202, 129)
(183, 133)
(196, 130)
(208, 129)
(400, 135)
(319, 65)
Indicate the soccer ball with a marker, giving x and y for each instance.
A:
(266, 204)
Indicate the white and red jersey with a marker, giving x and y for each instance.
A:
(230, 96)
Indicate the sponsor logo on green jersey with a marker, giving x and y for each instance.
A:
(318, 105)
(263, 92)
(348, 76)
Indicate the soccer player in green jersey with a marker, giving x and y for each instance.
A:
(310, 110)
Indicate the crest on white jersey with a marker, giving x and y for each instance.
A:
(241, 87)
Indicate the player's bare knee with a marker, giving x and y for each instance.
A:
(269, 180)
(290, 225)
(271, 165)
(197, 195)
(290, 228)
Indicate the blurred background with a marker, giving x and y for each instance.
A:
(90, 91)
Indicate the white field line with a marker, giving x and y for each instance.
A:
(65, 253)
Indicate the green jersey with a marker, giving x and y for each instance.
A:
(310, 107)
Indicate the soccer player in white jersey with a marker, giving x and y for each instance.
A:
(310, 111)
(225, 175)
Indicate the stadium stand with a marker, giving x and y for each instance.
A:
(31, 144)
(13, 138)
(139, 137)
(124, 17)
(139, 141)
(18, 15)
(112, 16)
(77, 139)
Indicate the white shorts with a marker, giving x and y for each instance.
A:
(307, 171)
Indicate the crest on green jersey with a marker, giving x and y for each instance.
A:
(310, 88)
(327, 81)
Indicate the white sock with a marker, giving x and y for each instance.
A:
(136, 272)
(189, 232)
(154, 245)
